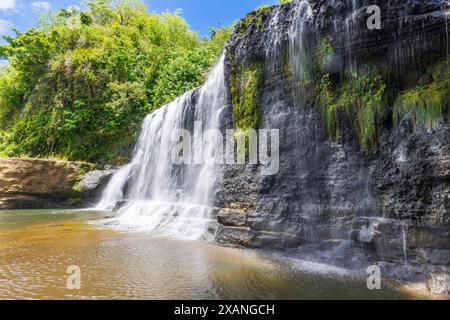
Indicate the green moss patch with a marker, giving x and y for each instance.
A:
(245, 89)
(255, 19)
(360, 96)
(429, 101)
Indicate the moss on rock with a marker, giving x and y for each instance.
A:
(429, 101)
(254, 19)
(245, 89)
(360, 95)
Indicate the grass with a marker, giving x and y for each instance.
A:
(360, 95)
(429, 101)
(326, 52)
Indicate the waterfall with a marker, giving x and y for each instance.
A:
(298, 45)
(159, 195)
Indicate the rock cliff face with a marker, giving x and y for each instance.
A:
(40, 184)
(389, 203)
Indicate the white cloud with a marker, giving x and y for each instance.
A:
(5, 27)
(41, 5)
(6, 5)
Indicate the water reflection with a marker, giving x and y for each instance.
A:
(36, 247)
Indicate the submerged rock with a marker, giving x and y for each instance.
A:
(94, 179)
(119, 205)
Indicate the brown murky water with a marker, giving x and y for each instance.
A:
(37, 247)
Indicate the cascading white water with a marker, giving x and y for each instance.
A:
(158, 194)
(298, 48)
(297, 43)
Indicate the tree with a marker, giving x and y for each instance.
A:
(79, 85)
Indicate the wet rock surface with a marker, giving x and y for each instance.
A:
(232, 218)
(386, 206)
(93, 183)
(94, 179)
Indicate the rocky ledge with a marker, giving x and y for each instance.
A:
(42, 184)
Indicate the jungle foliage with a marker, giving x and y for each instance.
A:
(78, 86)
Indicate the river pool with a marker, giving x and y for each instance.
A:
(38, 246)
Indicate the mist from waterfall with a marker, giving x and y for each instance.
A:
(158, 194)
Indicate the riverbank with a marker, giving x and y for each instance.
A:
(43, 183)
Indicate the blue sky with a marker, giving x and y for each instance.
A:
(200, 14)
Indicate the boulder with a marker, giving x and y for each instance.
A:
(94, 180)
